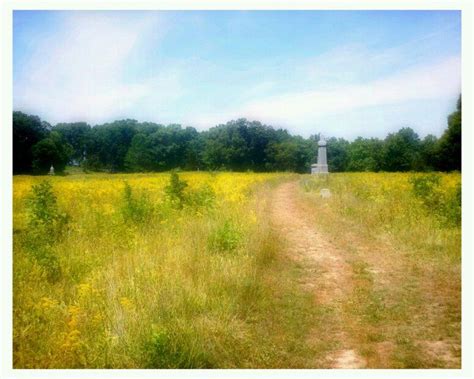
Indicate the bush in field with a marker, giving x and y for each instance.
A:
(203, 197)
(226, 238)
(426, 188)
(175, 190)
(46, 225)
(45, 216)
(136, 209)
(446, 205)
(47, 259)
(453, 206)
(165, 351)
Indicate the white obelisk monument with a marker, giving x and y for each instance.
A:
(322, 166)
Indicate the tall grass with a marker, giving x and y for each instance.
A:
(422, 212)
(148, 284)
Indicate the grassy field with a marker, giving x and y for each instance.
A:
(132, 271)
(146, 282)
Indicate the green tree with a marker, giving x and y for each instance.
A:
(365, 155)
(163, 148)
(238, 145)
(337, 154)
(140, 155)
(108, 145)
(401, 151)
(429, 153)
(76, 134)
(291, 155)
(51, 151)
(226, 147)
(27, 131)
(449, 149)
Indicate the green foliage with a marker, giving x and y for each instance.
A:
(429, 154)
(51, 151)
(166, 351)
(175, 190)
(453, 206)
(400, 150)
(46, 225)
(108, 145)
(161, 148)
(446, 205)
(449, 149)
(92, 163)
(226, 238)
(203, 197)
(44, 213)
(293, 155)
(364, 155)
(239, 145)
(47, 260)
(337, 154)
(136, 209)
(77, 135)
(424, 187)
(27, 131)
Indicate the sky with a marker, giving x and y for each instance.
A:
(340, 73)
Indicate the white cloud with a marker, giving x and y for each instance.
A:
(80, 71)
(300, 110)
(88, 71)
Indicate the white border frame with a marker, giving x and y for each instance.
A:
(6, 103)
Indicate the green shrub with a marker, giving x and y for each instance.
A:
(426, 188)
(175, 190)
(46, 225)
(204, 197)
(166, 351)
(226, 238)
(47, 260)
(136, 209)
(445, 205)
(453, 210)
(44, 214)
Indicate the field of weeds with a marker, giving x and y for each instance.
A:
(150, 271)
(190, 270)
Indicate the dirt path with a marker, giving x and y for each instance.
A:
(380, 307)
(325, 271)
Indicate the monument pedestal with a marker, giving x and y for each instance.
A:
(319, 169)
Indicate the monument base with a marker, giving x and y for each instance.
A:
(319, 169)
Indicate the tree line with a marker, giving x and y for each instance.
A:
(239, 145)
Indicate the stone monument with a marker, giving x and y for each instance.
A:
(51, 170)
(322, 166)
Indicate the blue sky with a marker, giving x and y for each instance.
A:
(343, 73)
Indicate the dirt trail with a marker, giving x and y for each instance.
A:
(326, 271)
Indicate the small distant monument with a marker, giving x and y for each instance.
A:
(51, 170)
(322, 166)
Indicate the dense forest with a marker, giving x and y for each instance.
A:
(241, 145)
